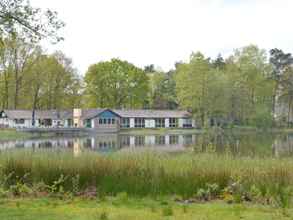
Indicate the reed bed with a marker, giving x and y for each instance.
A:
(143, 173)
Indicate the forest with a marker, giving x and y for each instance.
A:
(247, 87)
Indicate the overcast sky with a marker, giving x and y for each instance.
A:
(162, 32)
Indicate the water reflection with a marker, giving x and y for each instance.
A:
(104, 143)
(250, 144)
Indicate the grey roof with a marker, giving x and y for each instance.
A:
(152, 113)
(91, 113)
(39, 114)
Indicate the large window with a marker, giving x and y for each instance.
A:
(173, 122)
(139, 122)
(107, 121)
(160, 122)
(19, 121)
(187, 123)
(125, 123)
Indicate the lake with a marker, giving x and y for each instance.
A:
(240, 144)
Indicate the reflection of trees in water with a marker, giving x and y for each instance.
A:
(283, 145)
(243, 144)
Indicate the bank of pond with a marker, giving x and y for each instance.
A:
(189, 177)
(191, 168)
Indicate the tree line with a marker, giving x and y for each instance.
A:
(250, 87)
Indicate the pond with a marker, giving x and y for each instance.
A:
(240, 144)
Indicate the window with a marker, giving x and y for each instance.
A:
(19, 121)
(173, 122)
(139, 122)
(160, 122)
(88, 123)
(160, 140)
(106, 121)
(187, 123)
(125, 123)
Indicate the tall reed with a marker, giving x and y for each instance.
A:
(145, 173)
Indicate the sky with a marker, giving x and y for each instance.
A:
(162, 32)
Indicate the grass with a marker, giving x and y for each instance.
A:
(133, 209)
(146, 173)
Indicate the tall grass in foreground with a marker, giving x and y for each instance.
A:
(144, 173)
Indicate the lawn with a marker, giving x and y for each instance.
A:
(133, 209)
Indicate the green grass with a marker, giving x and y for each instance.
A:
(133, 209)
(145, 173)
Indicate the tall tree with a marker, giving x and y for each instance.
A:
(192, 82)
(116, 84)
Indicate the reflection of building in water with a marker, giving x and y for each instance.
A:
(38, 143)
(76, 147)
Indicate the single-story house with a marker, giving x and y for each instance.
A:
(99, 119)
(42, 118)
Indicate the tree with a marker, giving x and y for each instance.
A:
(219, 63)
(192, 81)
(116, 84)
(162, 92)
(18, 17)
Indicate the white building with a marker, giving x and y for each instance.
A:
(98, 119)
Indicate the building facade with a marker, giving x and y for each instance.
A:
(97, 119)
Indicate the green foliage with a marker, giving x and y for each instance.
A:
(34, 80)
(230, 91)
(18, 17)
(116, 84)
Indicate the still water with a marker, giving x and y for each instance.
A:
(248, 144)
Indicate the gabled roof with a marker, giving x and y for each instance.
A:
(90, 113)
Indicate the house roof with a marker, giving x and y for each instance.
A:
(91, 113)
(152, 113)
(39, 114)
